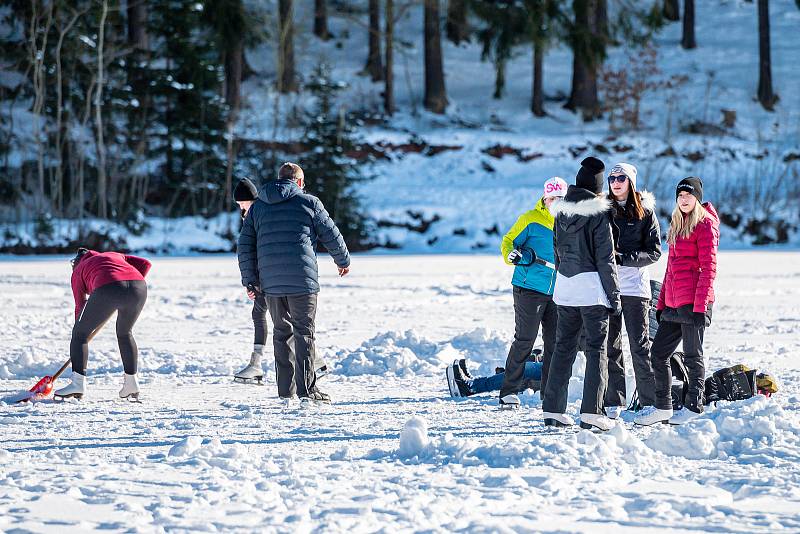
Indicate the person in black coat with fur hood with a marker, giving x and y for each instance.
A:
(586, 292)
(637, 239)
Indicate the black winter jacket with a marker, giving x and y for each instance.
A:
(277, 244)
(583, 240)
(638, 242)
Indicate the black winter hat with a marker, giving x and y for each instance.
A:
(691, 184)
(590, 175)
(245, 190)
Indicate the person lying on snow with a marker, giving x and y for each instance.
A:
(462, 384)
(114, 282)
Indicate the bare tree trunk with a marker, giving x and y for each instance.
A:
(137, 24)
(374, 65)
(287, 82)
(537, 100)
(102, 182)
(321, 20)
(37, 58)
(234, 59)
(456, 27)
(388, 92)
(57, 186)
(435, 93)
(765, 94)
(672, 10)
(583, 95)
(688, 41)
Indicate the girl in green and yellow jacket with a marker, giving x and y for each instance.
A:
(529, 247)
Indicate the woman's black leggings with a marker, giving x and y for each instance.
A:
(127, 299)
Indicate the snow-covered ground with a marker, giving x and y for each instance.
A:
(394, 452)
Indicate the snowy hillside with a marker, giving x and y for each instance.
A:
(492, 156)
(394, 452)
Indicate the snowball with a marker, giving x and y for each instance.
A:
(413, 438)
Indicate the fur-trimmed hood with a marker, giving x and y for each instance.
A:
(648, 200)
(581, 202)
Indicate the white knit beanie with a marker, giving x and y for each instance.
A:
(627, 169)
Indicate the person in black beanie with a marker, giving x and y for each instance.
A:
(586, 292)
(244, 194)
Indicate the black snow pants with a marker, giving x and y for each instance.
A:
(594, 321)
(669, 335)
(127, 298)
(636, 312)
(531, 309)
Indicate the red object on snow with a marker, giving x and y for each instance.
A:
(96, 269)
(43, 387)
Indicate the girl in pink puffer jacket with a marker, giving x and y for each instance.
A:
(684, 306)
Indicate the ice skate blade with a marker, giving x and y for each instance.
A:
(307, 401)
(593, 428)
(509, 406)
(78, 396)
(555, 422)
(133, 398)
(258, 381)
(663, 422)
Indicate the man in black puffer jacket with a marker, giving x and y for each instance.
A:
(277, 257)
(586, 291)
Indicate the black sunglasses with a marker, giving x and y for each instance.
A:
(617, 178)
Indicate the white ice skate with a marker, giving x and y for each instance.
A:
(651, 415)
(253, 373)
(557, 419)
(613, 412)
(684, 415)
(509, 402)
(596, 422)
(74, 390)
(130, 389)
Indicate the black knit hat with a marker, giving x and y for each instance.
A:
(245, 190)
(691, 184)
(590, 175)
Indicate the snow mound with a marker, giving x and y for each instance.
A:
(407, 354)
(618, 451)
(413, 438)
(751, 431)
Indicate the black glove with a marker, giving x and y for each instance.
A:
(618, 258)
(658, 315)
(700, 319)
(515, 256)
(616, 309)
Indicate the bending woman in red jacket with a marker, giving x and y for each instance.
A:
(114, 282)
(684, 306)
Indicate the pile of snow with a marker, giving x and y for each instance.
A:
(617, 451)
(746, 430)
(407, 354)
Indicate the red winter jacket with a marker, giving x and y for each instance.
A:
(692, 267)
(97, 269)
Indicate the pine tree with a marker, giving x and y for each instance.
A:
(187, 84)
(329, 170)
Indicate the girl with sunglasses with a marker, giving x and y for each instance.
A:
(637, 243)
